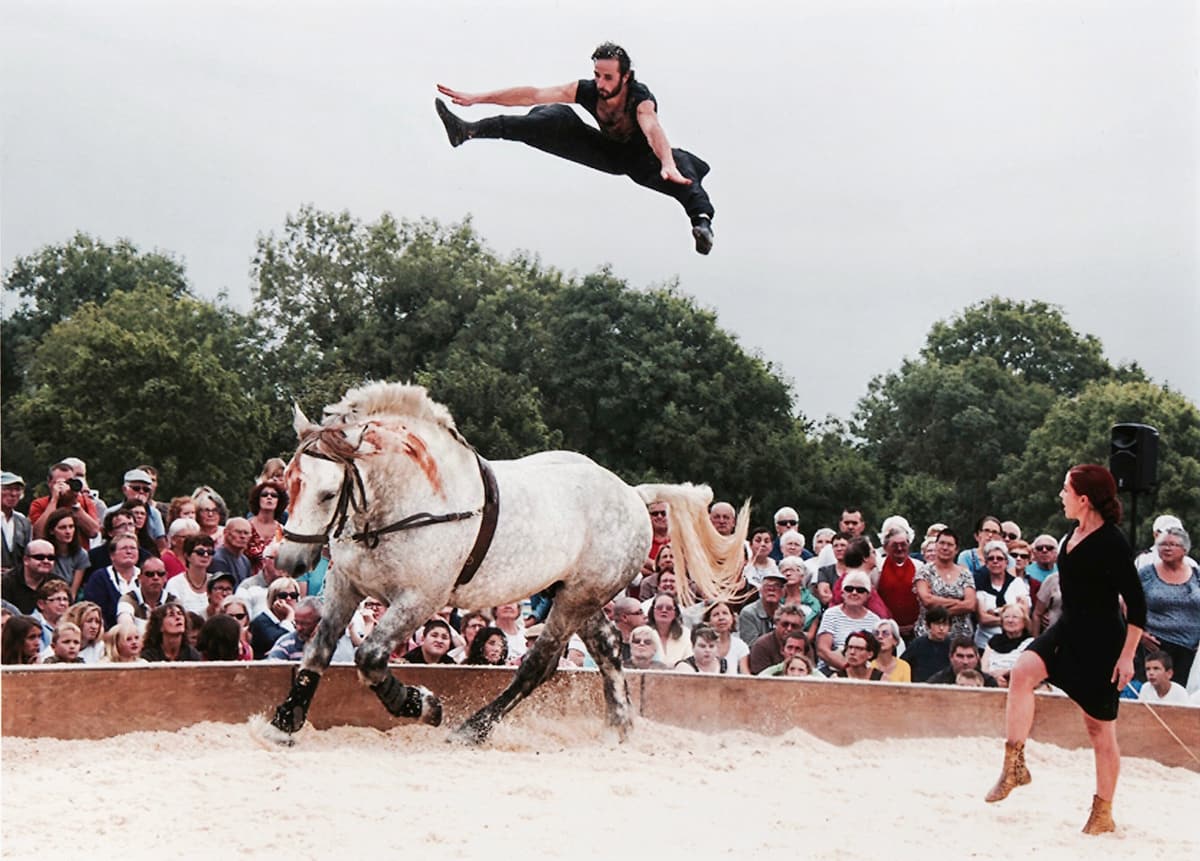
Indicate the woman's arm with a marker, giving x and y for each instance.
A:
(826, 652)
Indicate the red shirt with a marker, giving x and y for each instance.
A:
(895, 587)
(38, 507)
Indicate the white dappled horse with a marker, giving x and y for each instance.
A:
(414, 517)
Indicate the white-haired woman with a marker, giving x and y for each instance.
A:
(645, 650)
(841, 620)
(1005, 648)
(995, 588)
(795, 591)
(1172, 587)
(891, 647)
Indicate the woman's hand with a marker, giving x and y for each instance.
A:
(1122, 672)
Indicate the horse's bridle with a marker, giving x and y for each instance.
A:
(353, 497)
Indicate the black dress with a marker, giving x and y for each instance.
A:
(1081, 649)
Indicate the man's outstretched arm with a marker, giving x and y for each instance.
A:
(514, 96)
(647, 118)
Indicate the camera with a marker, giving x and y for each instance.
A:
(75, 484)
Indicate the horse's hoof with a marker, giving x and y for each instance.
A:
(431, 707)
(268, 735)
(467, 735)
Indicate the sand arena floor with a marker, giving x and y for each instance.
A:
(564, 788)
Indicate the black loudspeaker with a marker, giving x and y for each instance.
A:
(1133, 458)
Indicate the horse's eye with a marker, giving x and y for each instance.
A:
(327, 495)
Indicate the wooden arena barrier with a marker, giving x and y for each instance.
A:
(102, 701)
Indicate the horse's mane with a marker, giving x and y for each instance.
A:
(388, 399)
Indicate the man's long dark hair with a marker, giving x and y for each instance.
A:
(613, 51)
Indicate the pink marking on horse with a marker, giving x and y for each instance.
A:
(415, 448)
(291, 478)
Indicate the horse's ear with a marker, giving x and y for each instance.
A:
(299, 420)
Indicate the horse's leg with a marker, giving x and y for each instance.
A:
(340, 602)
(396, 626)
(603, 641)
(538, 665)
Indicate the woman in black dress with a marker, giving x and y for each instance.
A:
(1089, 651)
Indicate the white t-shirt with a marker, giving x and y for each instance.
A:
(1177, 695)
(181, 589)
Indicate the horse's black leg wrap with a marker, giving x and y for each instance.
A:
(290, 715)
(408, 701)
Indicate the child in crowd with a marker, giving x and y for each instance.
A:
(65, 643)
(1158, 688)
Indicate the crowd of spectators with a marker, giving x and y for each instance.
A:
(140, 580)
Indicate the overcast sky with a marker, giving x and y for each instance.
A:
(876, 166)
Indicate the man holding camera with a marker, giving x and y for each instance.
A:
(66, 491)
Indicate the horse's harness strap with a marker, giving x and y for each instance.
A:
(487, 523)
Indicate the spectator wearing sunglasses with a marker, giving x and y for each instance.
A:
(277, 619)
(1010, 532)
(150, 594)
(842, 620)
(993, 590)
(786, 520)
(191, 587)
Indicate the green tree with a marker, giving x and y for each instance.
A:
(1030, 339)
(1078, 430)
(150, 377)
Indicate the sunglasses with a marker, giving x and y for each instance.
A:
(42, 557)
(238, 615)
(786, 522)
(858, 590)
(146, 573)
(1046, 549)
(1019, 555)
(269, 493)
(291, 596)
(203, 551)
(997, 558)
(637, 642)
(1011, 536)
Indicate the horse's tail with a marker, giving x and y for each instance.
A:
(703, 556)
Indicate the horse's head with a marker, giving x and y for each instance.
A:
(321, 480)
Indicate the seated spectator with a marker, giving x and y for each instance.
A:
(180, 508)
(19, 586)
(1159, 687)
(191, 587)
(761, 564)
(268, 513)
(180, 530)
(768, 649)
(627, 615)
(730, 647)
(21, 642)
(971, 679)
(704, 657)
(369, 612)
(254, 587)
(830, 572)
(820, 539)
(211, 512)
(794, 643)
(891, 647)
(1005, 648)
(115, 522)
(106, 586)
(1048, 608)
(166, 635)
(994, 588)
(860, 556)
(860, 649)
(663, 562)
(963, 656)
(507, 617)
(667, 620)
(290, 647)
(489, 648)
(930, 653)
(220, 639)
(277, 619)
(70, 559)
(435, 644)
(237, 609)
(799, 667)
(220, 586)
(758, 617)
(123, 643)
(231, 555)
(795, 591)
(645, 650)
(472, 623)
(947, 584)
(90, 620)
(53, 601)
(841, 620)
(149, 594)
(65, 644)
(139, 510)
(191, 629)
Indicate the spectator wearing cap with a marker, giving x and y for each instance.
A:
(65, 491)
(290, 647)
(20, 587)
(16, 527)
(435, 644)
(231, 555)
(277, 619)
(758, 617)
(107, 586)
(220, 586)
(786, 520)
(138, 486)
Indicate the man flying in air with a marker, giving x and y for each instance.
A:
(630, 140)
